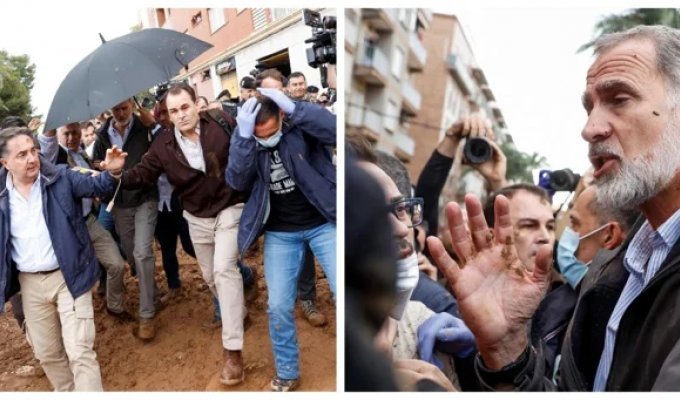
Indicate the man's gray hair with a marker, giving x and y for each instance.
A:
(8, 134)
(625, 218)
(666, 42)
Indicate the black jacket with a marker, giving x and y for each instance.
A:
(647, 352)
(136, 145)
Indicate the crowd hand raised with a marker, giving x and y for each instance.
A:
(284, 102)
(497, 295)
(144, 115)
(34, 124)
(494, 169)
(473, 125)
(448, 333)
(409, 372)
(245, 118)
(114, 161)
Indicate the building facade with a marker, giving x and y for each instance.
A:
(243, 38)
(384, 53)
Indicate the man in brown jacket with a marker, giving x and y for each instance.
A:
(194, 157)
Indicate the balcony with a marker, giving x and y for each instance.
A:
(417, 55)
(366, 122)
(460, 74)
(372, 67)
(351, 35)
(404, 145)
(379, 19)
(411, 99)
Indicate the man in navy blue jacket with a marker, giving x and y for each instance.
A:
(278, 153)
(45, 250)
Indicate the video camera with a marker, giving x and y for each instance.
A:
(561, 180)
(324, 47)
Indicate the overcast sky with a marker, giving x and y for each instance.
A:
(56, 38)
(529, 57)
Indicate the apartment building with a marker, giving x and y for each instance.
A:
(243, 38)
(384, 52)
(452, 85)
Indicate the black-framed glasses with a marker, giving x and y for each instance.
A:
(408, 210)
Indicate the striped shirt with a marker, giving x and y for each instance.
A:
(647, 251)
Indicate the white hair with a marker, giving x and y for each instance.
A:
(643, 177)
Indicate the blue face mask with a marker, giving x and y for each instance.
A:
(571, 268)
(271, 141)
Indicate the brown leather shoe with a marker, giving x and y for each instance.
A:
(312, 315)
(232, 371)
(146, 329)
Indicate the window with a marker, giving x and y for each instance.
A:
(215, 19)
(397, 62)
(279, 13)
(391, 118)
(196, 19)
(160, 16)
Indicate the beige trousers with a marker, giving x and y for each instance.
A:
(61, 332)
(214, 241)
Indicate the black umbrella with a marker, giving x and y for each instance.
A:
(118, 70)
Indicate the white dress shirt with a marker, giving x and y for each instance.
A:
(32, 249)
(192, 151)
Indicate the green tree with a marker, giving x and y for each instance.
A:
(633, 17)
(521, 164)
(17, 74)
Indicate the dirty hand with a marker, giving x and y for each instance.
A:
(284, 102)
(245, 118)
(410, 372)
(34, 124)
(497, 295)
(443, 331)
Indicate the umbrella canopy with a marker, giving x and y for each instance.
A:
(119, 69)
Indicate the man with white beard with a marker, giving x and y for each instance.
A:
(625, 332)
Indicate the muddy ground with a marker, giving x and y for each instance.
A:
(184, 356)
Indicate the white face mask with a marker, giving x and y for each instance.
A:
(271, 141)
(407, 279)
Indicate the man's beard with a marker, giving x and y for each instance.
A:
(642, 178)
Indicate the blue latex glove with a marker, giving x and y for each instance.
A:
(446, 333)
(245, 118)
(284, 102)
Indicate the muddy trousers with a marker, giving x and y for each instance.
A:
(214, 241)
(60, 329)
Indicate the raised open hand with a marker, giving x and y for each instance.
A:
(496, 294)
(115, 160)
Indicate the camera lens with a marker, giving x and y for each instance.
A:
(564, 180)
(477, 150)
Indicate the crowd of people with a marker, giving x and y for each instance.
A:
(528, 296)
(82, 200)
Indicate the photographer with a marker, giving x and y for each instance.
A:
(436, 170)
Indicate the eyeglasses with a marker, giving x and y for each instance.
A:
(409, 211)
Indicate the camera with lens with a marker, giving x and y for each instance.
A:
(561, 180)
(477, 150)
(323, 40)
(161, 90)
